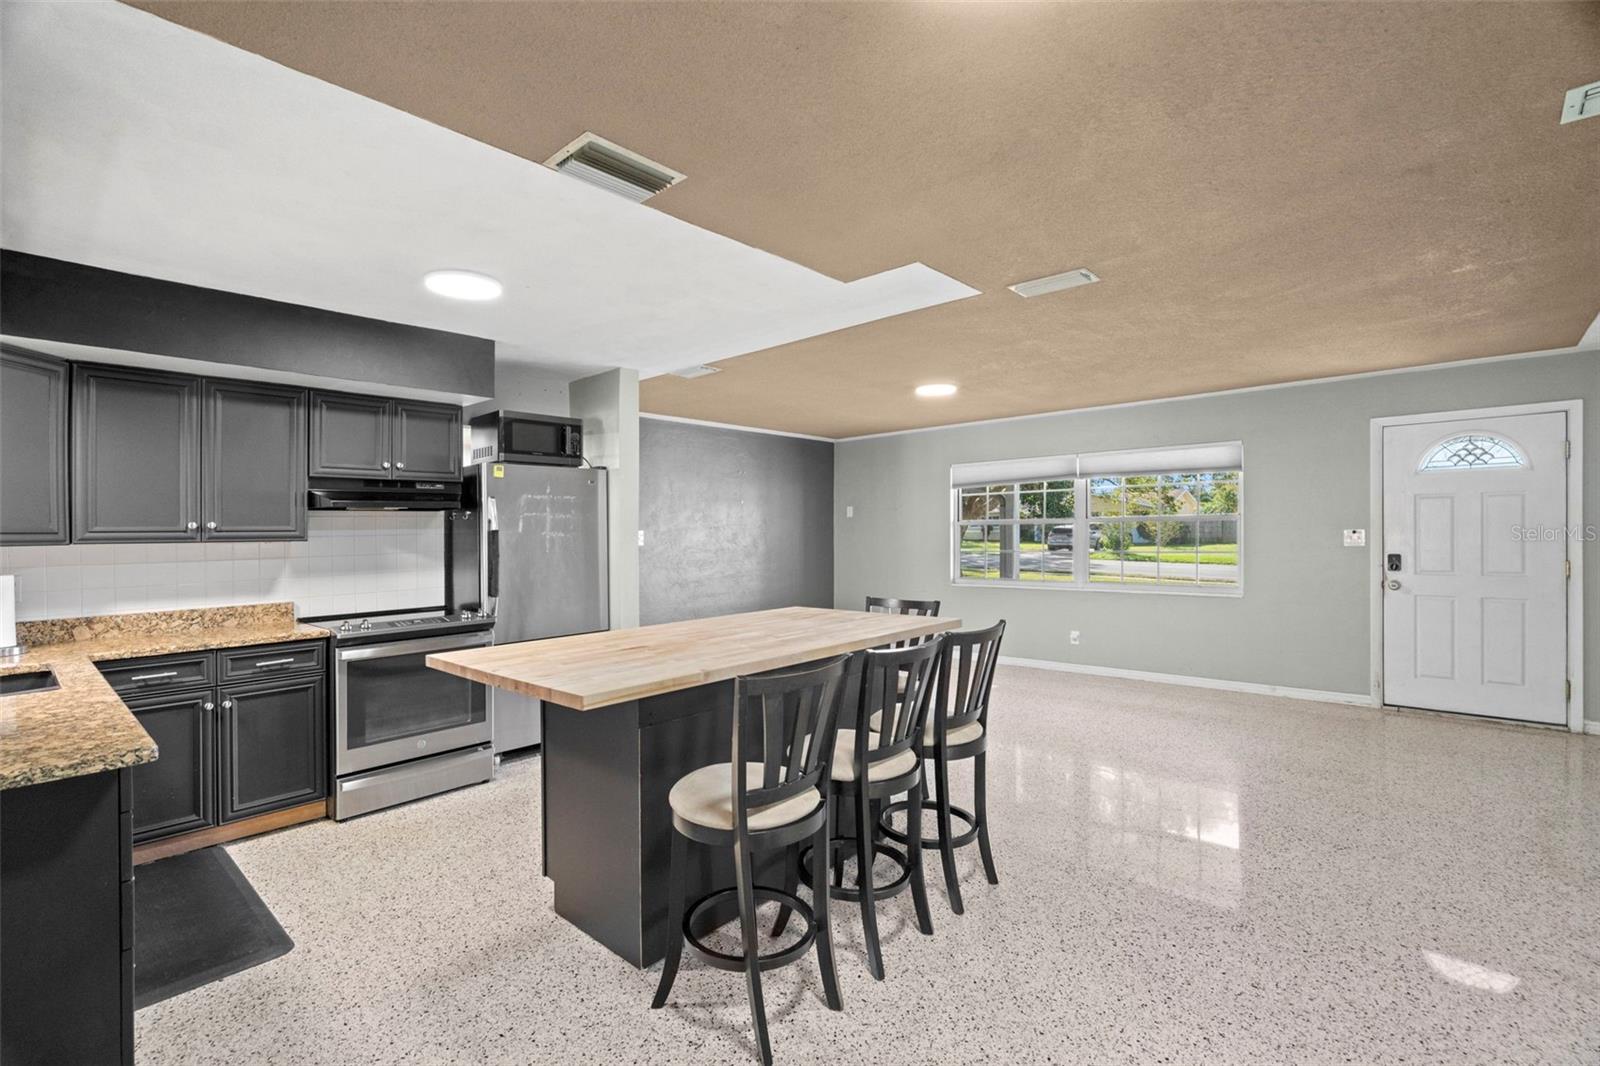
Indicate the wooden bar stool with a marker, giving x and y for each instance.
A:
(873, 765)
(772, 795)
(957, 727)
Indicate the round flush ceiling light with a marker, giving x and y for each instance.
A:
(463, 285)
(928, 392)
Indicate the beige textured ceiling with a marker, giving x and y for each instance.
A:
(1271, 191)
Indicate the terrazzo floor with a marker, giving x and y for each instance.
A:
(1187, 876)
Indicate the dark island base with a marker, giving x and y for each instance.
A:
(606, 824)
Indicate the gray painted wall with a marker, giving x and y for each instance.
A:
(1303, 619)
(733, 521)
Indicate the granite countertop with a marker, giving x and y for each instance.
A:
(82, 726)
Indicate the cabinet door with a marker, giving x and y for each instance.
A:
(427, 441)
(33, 448)
(135, 455)
(177, 792)
(253, 465)
(274, 747)
(350, 436)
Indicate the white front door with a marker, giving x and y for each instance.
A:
(1475, 558)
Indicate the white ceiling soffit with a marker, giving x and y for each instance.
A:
(134, 144)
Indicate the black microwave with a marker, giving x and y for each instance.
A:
(520, 437)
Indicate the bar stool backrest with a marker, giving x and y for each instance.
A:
(785, 721)
(891, 605)
(966, 674)
(900, 717)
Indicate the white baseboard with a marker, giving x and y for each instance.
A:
(1359, 699)
(1592, 728)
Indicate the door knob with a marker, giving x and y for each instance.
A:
(1394, 586)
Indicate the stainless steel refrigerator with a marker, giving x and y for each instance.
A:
(530, 546)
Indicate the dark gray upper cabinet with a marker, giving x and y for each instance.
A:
(33, 448)
(135, 455)
(273, 746)
(253, 461)
(175, 793)
(370, 437)
(427, 441)
(350, 436)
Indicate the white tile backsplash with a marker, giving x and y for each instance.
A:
(349, 562)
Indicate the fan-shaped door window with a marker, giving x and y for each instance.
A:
(1473, 451)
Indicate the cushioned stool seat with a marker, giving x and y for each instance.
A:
(844, 759)
(705, 797)
(961, 734)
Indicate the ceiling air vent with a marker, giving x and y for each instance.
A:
(613, 168)
(1055, 283)
(691, 372)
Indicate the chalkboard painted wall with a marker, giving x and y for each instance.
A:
(732, 520)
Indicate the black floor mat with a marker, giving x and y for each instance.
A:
(197, 920)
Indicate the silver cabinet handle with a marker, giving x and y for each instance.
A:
(227, 705)
(211, 525)
(210, 706)
(193, 526)
(400, 466)
(386, 464)
(276, 662)
(154, 677)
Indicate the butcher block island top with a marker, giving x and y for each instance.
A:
(600, 669)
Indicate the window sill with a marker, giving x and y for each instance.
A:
(1107, 586)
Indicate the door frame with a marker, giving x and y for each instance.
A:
(1574, 413)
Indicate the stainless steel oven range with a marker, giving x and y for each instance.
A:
(401, 730)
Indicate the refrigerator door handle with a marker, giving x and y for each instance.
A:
(491, 562)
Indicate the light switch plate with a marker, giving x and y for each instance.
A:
(1355, 538)
(849, 512)
(1580, 103)
(641, 538)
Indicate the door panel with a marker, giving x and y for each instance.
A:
(427, 441)
(350, 436)
(553, 551)
(273, 747)
(33, 449)
(136, 455)
(1475, 618)
(176, 793)
(254, 463)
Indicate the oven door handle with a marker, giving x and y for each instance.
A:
(420, 644)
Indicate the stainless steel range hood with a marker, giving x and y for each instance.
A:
(354, 494)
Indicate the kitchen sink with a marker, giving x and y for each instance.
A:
(36, 681)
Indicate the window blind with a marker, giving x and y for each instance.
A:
(1184, 458)
(1007, 471)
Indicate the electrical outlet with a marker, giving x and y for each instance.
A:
(849, 512)
(1072, 637)
(641, 538)
(1355, 538)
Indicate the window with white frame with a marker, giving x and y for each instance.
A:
(1165, 519)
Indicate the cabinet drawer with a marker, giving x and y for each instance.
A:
(272, 659)
(130, 676)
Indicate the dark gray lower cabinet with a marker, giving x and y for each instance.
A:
(274, 746)
(229, 749)
(33, 448)
(66, 922)
(176, 793)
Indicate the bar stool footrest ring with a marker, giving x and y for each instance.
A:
(724, 961)
(957, 840)
(853, 895)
